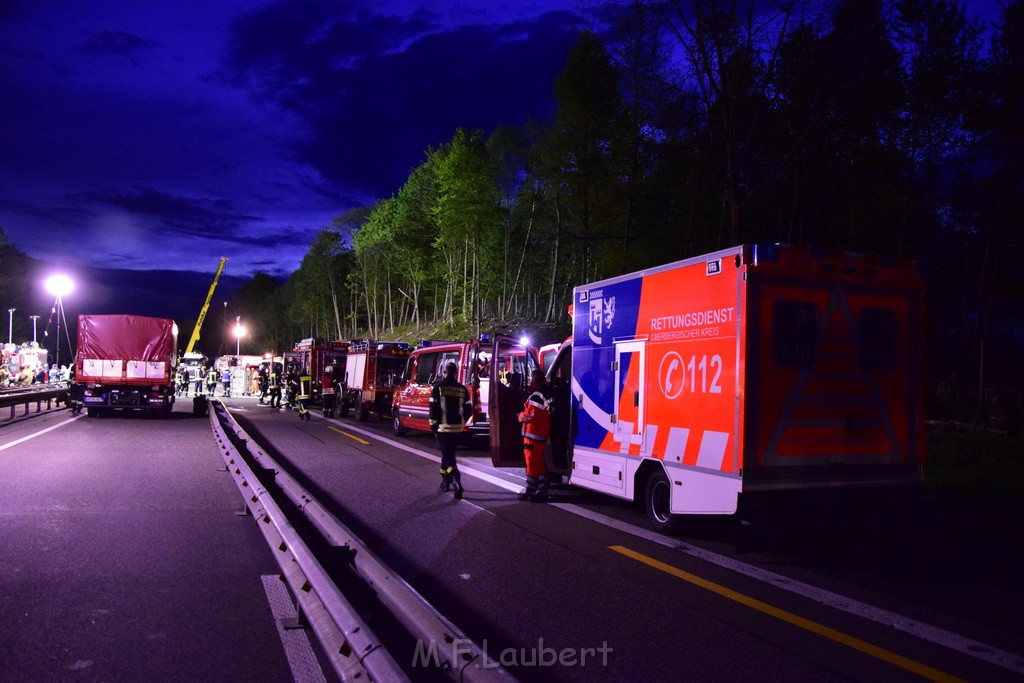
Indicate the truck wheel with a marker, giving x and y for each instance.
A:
(656, 503)
(397, 426)
(363, 411)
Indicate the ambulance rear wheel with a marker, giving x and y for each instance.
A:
(656, 503)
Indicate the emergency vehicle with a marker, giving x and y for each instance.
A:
(755, 370)
(310, 357)
(482, 363)
(372, 371)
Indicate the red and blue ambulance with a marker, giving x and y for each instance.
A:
(754, 370)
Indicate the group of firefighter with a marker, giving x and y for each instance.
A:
(450, 409)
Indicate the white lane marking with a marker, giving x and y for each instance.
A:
(933, 634)
(39, 433)
(299, 653)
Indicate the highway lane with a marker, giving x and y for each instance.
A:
(511, 574)
(122, 557)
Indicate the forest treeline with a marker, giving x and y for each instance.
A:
(685, 126)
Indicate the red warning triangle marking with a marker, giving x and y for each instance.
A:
(835, 411)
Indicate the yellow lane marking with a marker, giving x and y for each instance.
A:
(351, 436)
(832, 634)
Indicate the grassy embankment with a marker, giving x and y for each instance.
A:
(968, 461)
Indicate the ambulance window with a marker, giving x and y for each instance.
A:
(795, 333)
(426, 363)
(876, 339)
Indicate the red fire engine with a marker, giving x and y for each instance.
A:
(372, 371)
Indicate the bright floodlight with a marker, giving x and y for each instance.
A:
(59, 285)
(525, 341)
(239, 331)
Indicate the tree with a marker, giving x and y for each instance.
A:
(467, 214)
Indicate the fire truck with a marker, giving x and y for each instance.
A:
(372, 371)
(310, 357)
(755, 371)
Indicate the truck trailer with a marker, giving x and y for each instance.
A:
(126, 362)
(758, 371)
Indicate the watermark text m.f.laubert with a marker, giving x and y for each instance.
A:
(428, 654)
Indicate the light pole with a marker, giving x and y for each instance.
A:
(239, 333)
(60, 286)
(34, 319)
(10, 325)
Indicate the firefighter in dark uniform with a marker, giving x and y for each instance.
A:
(328, 391)
(274, 388)
(536, 419)
(450, 407)
(305, 392)
(211, 381)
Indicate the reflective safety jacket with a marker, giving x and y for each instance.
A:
(536, 417)
(305, 387)
(450, 406)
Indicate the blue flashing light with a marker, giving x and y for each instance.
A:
(766, 253)
(485, 337)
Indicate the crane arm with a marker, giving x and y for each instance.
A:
(202, 314)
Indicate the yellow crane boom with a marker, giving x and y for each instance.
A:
(206, 306)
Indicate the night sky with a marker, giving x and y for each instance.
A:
(164, 135)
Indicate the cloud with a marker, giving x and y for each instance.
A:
(375, 91)
(181, 215)
(115, 43)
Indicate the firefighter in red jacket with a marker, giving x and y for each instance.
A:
(536, 419)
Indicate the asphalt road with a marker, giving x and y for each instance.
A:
(123, 559)
(585, 572)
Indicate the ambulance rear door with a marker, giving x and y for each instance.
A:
(510, 367)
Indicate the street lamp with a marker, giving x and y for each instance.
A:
(10, 325)
(239, 333)
(60, 286)
(34, 319)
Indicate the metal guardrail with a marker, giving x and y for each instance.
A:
(456, 654)
(352, 648)
(49, 394)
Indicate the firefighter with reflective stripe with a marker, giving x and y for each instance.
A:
(450, 408)
(536, 419)
(305, 392)
(328, 391)
(211, 381)
(274, 388)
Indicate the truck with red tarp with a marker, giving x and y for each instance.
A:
(758, 373)
(126, 362)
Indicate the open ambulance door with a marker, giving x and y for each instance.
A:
(510, 367)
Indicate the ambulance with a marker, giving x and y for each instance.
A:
(752, 371)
